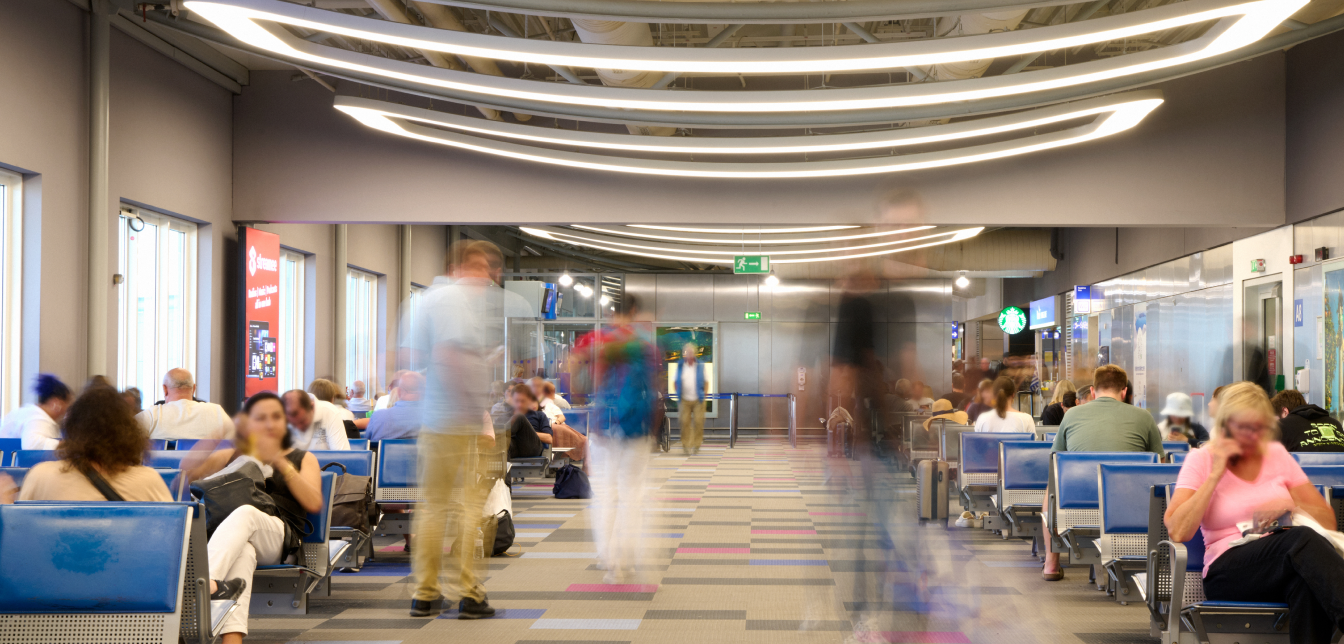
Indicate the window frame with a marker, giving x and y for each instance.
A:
(11, 290)
(190, 276)
(354, 362)
(294, 350)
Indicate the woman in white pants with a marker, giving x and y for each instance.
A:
(250, 537)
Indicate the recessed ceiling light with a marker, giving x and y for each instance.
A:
(962, 281)
(566, 280)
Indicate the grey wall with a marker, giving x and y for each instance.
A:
(1315, 133)
(1212, 155)
(797, 329)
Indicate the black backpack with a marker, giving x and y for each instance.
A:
(571, 483)
(350, 506)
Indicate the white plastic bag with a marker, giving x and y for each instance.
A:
(498, 499)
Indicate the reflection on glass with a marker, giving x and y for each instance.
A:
(567, 357)
(141, 279)
(671, 342)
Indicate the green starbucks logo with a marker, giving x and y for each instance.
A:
(1012, 320)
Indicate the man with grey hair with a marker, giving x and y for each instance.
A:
(356, 402)
(180, 416)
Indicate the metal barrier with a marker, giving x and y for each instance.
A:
(732, 399)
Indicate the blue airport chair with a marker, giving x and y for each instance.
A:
(949, 441)
(1175, 446)
(31, 457)
(1319, 458)
(978, 471)
(579, 419)
(134, 591)
(1177, 458)
(1075, 513)
(1024, 471)
(396, 474)
(283, 589)
(177, 484)
(359, 444)
(158, 444)
(357, 463)
(1123, 494)
(16, 473)
(1049, 437)
(8, 447)
(188, 443)
(166, 459)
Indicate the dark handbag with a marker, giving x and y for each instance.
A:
(222, 495)
(571, 483)
(502, 526)
(350, 502)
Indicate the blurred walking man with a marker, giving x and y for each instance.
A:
(691, 391)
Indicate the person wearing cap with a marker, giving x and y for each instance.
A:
(1179, 424)
(942, 409)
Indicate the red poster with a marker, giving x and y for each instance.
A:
(261, 309)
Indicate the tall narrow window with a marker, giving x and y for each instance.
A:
(292, 295)
(11, 266)
(156, 299)
(361, 328)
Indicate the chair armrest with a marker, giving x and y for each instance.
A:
(1178, 560)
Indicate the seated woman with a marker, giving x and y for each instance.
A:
(1241, 475)
(1003, 417)
(1179, 424)
(250, 537)
(556, 434)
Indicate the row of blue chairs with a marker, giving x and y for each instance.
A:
(12, 455)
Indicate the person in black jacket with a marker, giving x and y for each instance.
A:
(1306, 428)
(1054, 414)
(526, 426)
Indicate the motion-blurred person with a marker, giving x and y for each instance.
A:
(1004, 417)
(134, 399)
(180, 416)
(626, 396)
(691, 390)
(1178, 423)
(957, 396)
(525, 427)
(315, 424)
(983, 402)
(390, 398)
(922, 395)
(327, 391)
(1107, 424)
(402, 420)
(1053, 414)
(546, 395)
(356, 402)
(501, 411)
(458, 334)
(900, 399)
(39, 425)
(1304, 427)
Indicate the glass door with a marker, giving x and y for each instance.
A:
(567, 352)
(1262, 360)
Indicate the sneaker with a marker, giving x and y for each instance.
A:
(964, 521)
(231, 589)
(472, 609)
(424, 608)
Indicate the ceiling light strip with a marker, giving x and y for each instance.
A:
(881, 139)
(762, 241)
(1227, 34)
(752, 60)
(744, 231)
(700, 13)
(570, 237)
(1124, 116)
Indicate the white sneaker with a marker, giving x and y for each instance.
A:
(964, 521)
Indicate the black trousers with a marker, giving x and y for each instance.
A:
(1298, 567)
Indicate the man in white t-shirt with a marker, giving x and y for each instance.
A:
(181, 416)
(314, 424)
(38, 425)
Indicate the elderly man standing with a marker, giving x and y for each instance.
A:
(180, 416)
(691, 390)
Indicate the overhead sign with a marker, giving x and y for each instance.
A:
(751, 264)
(1043, 313)
(1082, 300)
(752, 315)
(261, 310)
(1012, 320)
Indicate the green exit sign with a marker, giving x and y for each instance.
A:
(751, 264)
(753, 315)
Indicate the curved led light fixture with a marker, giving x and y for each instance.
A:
(687, 254)
(1120, 116)
(732, 13)
(744, 231)
(881, 139)
(755, 60)
(760, 240)
(563, 235)
(243, 21)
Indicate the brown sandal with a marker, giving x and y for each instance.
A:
(1053, 576)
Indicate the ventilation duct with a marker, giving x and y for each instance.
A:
(610, 32)
(972, 24)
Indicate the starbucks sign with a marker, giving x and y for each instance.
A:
(1012, 320)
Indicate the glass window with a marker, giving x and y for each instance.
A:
(156, 299)
(11, 264)
(361, 329)
(293, 293)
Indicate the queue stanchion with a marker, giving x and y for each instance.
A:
(793, 421)
(732, 420)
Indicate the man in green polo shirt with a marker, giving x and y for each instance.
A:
(1106, 424)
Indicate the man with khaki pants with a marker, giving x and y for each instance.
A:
(691, 390)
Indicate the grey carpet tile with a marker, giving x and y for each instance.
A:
(696, 614)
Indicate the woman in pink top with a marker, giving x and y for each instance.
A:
(1242, 472)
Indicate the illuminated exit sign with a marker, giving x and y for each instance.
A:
(753, 315)
(751, 264)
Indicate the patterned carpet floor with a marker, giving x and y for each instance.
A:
(760, 543)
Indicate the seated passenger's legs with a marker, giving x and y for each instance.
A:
(246, 539)
(1052, 571)
(1298, 567)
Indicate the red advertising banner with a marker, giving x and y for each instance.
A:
(261, 309)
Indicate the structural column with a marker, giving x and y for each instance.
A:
(340, 266)
(99, 96)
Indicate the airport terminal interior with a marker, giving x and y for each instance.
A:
(667, 321)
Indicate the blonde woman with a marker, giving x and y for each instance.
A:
(1244, 477)
(1053, 414)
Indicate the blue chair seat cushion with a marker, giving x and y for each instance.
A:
(1242, 605)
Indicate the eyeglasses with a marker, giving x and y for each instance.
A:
(1250, 428)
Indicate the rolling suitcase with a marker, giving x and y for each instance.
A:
(931, 483)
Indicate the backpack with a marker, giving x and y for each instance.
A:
(571, 483)
(501, 525)
(350, 507)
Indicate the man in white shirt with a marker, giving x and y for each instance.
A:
(38, 425)
(358, 403)
(181, 416)
(314, 424)
(553, 399)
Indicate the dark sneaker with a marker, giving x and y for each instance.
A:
(472, 609)
(424, 608)
(230, 589)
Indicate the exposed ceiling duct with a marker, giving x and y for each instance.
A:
(608, 32)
